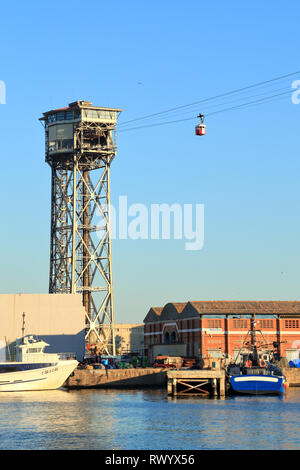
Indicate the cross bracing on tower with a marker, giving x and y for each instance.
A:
(80, 146)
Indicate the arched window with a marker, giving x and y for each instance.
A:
(173, 337)
(167, 338)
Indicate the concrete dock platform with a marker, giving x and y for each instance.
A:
(196, 382)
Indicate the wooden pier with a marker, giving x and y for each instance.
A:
(196, 382)
(206, 382)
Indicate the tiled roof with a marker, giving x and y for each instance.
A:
(246, 307)
(153, 314)
(176, 310)
(157, 310)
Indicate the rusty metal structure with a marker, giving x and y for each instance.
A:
(80, 146)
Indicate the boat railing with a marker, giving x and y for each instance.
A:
(256, 371)
(67, 355)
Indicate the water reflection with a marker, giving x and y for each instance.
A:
(37, 396)
(146, 419)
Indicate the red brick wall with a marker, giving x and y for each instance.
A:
(226, 334)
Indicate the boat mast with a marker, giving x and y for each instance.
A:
(253, 341)
(23, 327)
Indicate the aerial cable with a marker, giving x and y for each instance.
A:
(211, 98)
(250, 103)
(157, 124)
(262, 100)
(214, 105)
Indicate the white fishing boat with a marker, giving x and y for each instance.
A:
(34, 369)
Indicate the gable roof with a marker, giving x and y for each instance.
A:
(153, 314)
(249, 307)
(181, 310)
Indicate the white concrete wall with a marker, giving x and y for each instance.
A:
(59, 319)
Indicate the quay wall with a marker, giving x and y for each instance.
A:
(117, 378)
(139, 378)
(292, 375)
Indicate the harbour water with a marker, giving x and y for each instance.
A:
(147, 420)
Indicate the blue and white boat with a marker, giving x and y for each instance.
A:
(256, 373)
(258, 381)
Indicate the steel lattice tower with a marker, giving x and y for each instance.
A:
(80, 146)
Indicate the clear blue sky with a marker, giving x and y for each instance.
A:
(145, 57)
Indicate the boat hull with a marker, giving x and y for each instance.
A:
(257, 384)
(50, 377)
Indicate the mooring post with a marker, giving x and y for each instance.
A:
(222, 386)
(174, 387)
(169, 386)
(214, 386)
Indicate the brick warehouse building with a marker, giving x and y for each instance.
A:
(198, 328)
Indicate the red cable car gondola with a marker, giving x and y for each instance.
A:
(200, 129)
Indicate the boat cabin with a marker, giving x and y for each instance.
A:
(31, 349)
